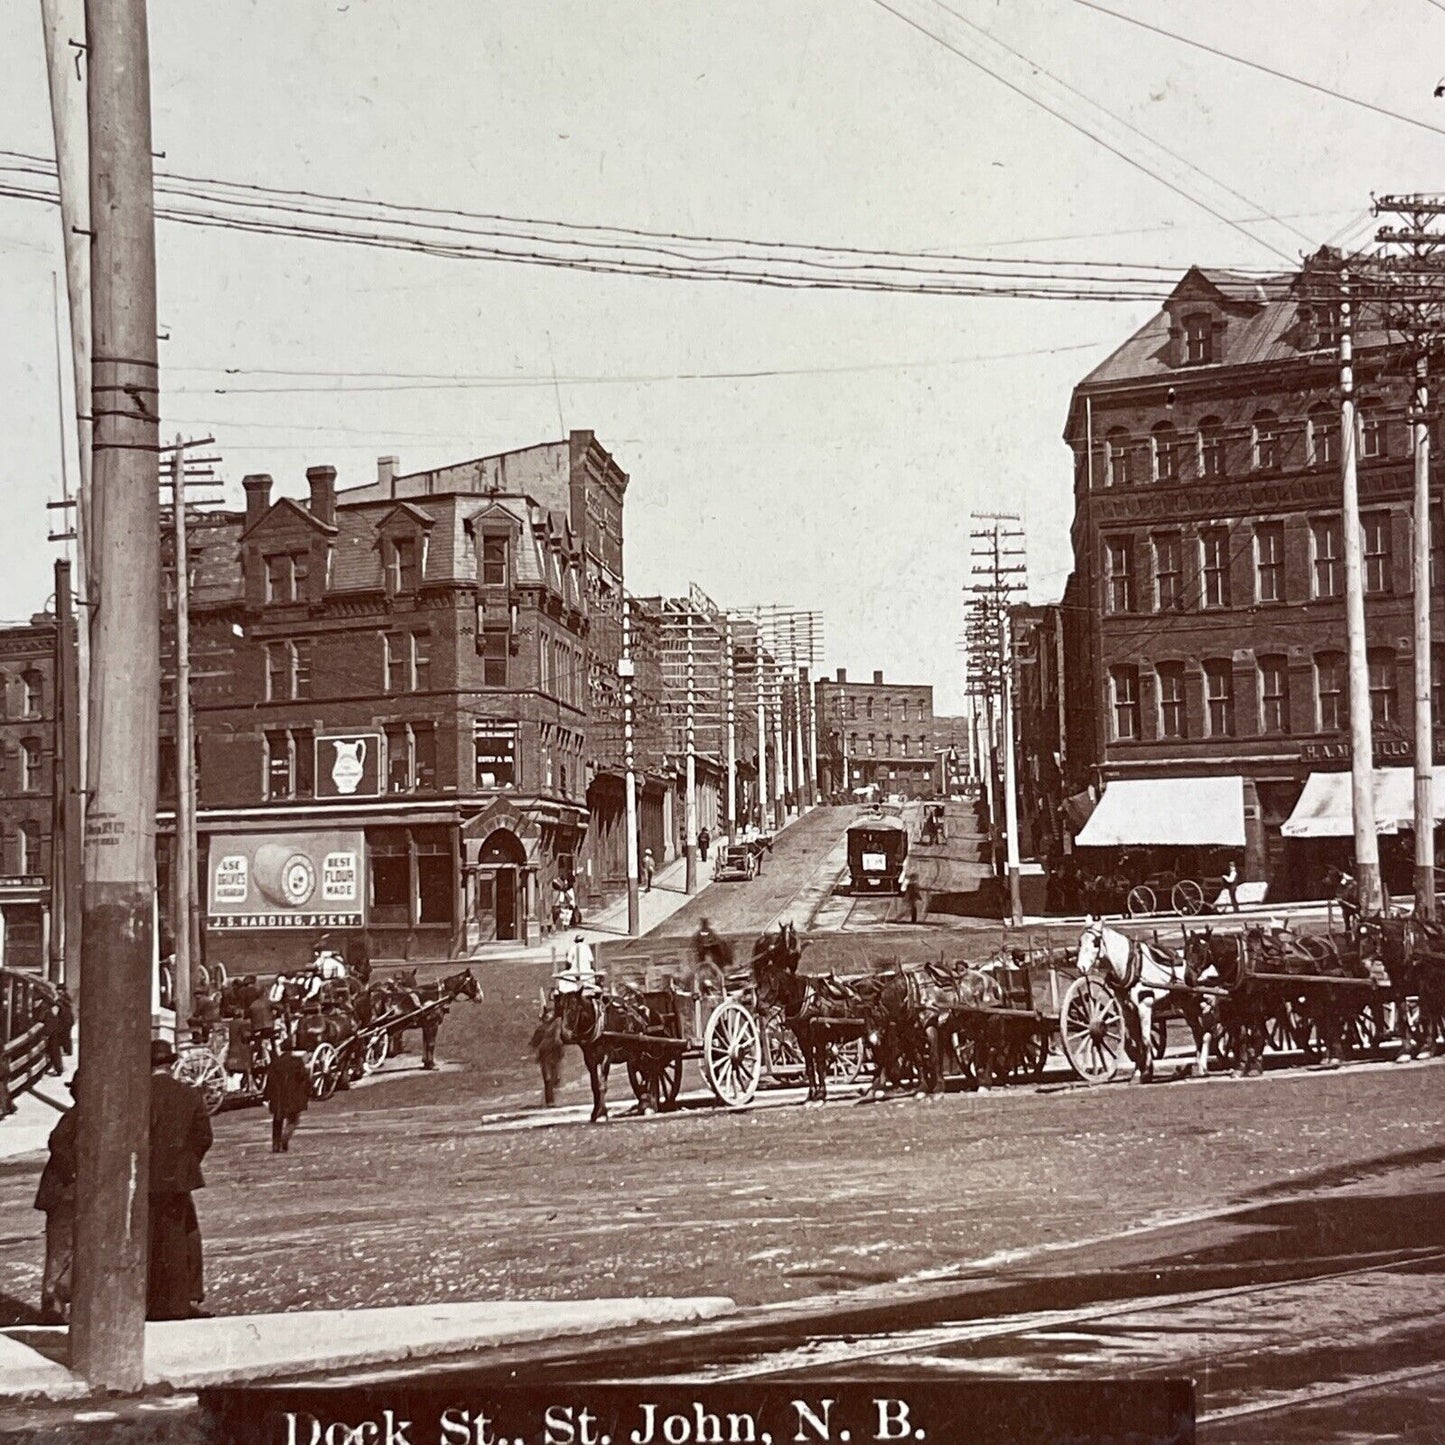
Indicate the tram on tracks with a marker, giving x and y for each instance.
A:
(877, 852)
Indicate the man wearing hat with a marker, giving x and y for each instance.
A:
(180, 1136)
(287, 1092)
(55, 1198)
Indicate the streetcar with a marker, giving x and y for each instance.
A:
(877, 851)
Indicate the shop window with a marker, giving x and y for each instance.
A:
(435, 881)
(390, 873)
(494, 752)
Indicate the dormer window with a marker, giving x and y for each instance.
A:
(403, 565)
(1327, 327)
(1198, 340)
(286, 576)
(494, 559)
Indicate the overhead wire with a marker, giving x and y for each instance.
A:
(1113, 150)
(1267, 69)
(1121, 121)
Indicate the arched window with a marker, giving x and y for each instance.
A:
(1118, 454)
(1266, 456)
(1211, 447)
(1324, 435)
(1165, 443)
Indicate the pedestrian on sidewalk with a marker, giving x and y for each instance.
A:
(1231, 884)
(59, 1028)
(180, 1136)
(704, 842)
(287, 1093)
(649, 867)
(56, 1199)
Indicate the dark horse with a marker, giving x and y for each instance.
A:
(585, 1019)
(820, 1011)
(1413, 956)
(1239, 1015)
(443, 993)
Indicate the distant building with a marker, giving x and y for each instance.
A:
(875, 735)
(954, 742)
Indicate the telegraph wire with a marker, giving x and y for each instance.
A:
(1121, 121)
(1269, 69)
(1082, 130)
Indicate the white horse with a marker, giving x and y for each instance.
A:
(1144, 975)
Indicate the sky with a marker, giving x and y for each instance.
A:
(844, 485)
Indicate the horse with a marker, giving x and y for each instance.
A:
(583, 1017)
(1410, 952)
(1224, 959)
(938, 990)
(819, 1011)
(443, 993)
(1142, 976)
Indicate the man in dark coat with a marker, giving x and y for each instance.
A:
(704, 842)
(288, 1091)
(58, 1029)
(56, 1199)
(180, 1136)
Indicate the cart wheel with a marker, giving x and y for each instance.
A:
(668, 1083)
(376, 1051)
(167, 987)
(323, 1068)
(202, 1070)
(732, 1054)
(782, 1058)
(1187, 897)
(219, 977)
(1027, 1058)
(1159, 1037)
(846, 1060)
(1091, 1027)
(1141, 900)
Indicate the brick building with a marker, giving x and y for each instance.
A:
(404, 663)
(875, 735)
(27, 742)
(1204, 620)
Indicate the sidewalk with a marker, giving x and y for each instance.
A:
(190, 1354)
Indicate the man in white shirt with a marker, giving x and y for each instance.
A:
(579, 975)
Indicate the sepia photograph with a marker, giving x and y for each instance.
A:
(722, 722)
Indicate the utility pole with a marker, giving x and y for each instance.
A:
(1010, 783)
(998, 573)
(689, 841)
(65, 833)
(107, 1329)
(627, 671)
(1415, 305)
(732, 729)
(810, 763)
(780, 762)
(1362, 762)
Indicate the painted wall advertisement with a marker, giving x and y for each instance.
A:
(288, 880)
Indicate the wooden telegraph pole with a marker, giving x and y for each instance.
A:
(1362, 761)
(732, 726)
(1415, 298)
(627, 671)
(107, 1332)
(689, 841)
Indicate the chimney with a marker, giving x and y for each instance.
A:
(842, 674)
(322, 481)
(386, 474)
(258, 497)
(877, 679)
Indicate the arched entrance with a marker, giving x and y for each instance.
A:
(500, 880)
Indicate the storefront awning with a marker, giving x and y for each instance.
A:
(1167, 813)
(1324, 809)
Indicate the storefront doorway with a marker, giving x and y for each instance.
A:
(500, 872)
